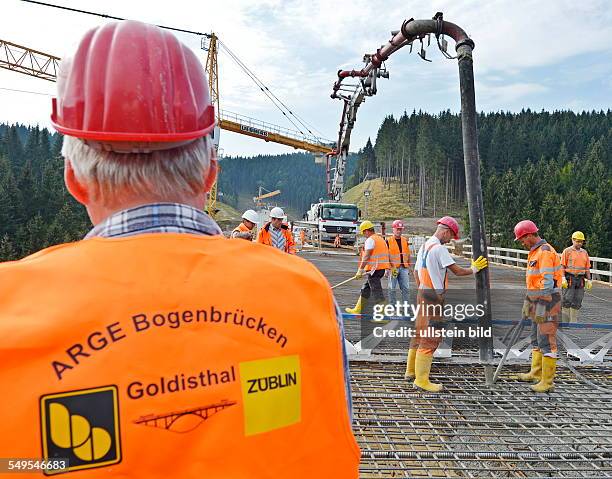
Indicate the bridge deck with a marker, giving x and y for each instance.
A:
(474, 430)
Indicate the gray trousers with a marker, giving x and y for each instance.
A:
(573, 295)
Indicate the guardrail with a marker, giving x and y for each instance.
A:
(601, 268)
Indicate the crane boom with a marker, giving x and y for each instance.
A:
(28, 61)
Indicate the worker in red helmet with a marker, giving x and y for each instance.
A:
(399, 257)
(542, 304)
(431, 275)
(147, 349)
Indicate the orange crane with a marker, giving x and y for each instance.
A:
(46, 66)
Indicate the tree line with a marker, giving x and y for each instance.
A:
(551, 167)
(36, 210)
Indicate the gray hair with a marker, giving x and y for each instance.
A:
(163, 174)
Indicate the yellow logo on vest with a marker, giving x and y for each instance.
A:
(272, 390)
(82, 426)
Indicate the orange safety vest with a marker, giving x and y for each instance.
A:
(265, 237)
(575, 261)
(397, 259)
(379, 259)
(544, 273)
(140, 357)
(425, 281)
(241, 228)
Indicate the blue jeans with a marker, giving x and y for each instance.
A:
(403, 280)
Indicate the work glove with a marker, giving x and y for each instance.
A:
(539, 315)
(359, 274)
(479, 263)
(394, 272)
(588, 284)
(564, 283)
(526, 308)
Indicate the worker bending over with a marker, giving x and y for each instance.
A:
(373, 264)
(431, 275)
(542, 304)
(399, 256)
(156, 347)
(275, 233)
(576, 266)
(244, 230)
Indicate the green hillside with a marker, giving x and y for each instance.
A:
(384, 203)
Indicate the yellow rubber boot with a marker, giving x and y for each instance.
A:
(356, 309)
(573, 315)
(535, 374)
(549, 367)
(410, 363)
(565, 315)
(422, 368)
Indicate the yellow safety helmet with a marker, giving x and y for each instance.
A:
(365, 225)
(578, 235)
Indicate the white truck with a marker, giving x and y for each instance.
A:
(335, 219)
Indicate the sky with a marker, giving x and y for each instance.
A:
(538, 54)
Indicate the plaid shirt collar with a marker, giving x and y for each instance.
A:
(156, 218)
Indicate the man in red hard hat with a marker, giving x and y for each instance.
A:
(147, 350)
(542, 304)
(399, 257)
(431, 274)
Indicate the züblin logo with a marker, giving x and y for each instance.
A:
(82, 426)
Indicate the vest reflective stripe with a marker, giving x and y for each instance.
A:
(395, 257)
(544, 273)
(241, 228)
(575, 261)
(265, 237)
(379, 259)
(162, 353)
(425, 281)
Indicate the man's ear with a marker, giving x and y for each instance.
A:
(75, 187)
(211, 175)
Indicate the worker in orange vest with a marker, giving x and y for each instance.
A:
(399, 255)
(149, 351)
(244, 230)
(431, 275)
(276, 233)
(576, 266)
(373, 264)
(542, 304)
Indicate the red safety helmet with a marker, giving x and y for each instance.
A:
(451, 223)
(399, 224)
(523, 228)
(133, 87)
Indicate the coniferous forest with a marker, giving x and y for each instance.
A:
(553, 168)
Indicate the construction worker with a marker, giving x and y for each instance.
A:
(373, 264)
(244, 230)
(542, 304)
(399, 255)
(337, 241)
(431, 275)
(149, 350)
(276, 233)
(576, 266)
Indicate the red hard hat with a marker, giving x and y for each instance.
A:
(133, 87)
(523, 228)
(450, 222)
(399, 224)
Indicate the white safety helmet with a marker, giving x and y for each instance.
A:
(277, 212)
(251, 216)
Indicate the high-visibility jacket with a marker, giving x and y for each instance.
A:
(241, 228)
(265, 237)
(544, 273)
(379, 258)
(139, 357)
(575, 261)
(396, 258)
(425, 281)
